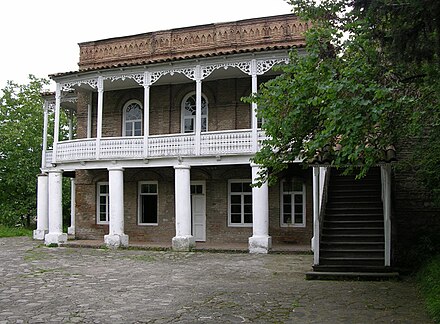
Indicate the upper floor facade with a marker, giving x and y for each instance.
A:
(162, 97)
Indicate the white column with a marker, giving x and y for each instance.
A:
(260, 242)
(42, 207)
(386, 197)
(70, 125)
(254, 120)
(198, 125)
(116, 236)
(89, 117)
(55, 235)
(316, 224)
(56, 131)
(45, 125)
(71, 228)
(183, 241)
(147, 84)
(99, 116)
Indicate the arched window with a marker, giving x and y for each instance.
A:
(189, 113)
(132, 125)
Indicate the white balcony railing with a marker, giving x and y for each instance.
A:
(156, 146)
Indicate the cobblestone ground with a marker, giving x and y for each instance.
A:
(68, 285)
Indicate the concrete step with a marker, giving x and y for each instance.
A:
(354, 276)
(352, 230)
(351, 268)
(352, 253)
(352, 223)
(353, 217)
(352, 245)
(331, 238)
(351, 261)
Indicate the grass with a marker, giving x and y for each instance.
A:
(14, 231)
(429, 280)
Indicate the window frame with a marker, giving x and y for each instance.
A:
(182, 115)
(98, 203)
(242, 223)
(124, 117)
(293, 193)
(140, 194)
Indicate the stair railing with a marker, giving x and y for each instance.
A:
(321, 176)
(385, 173)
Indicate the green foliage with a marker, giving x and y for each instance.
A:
(21, 128)
(14, 231)
(347, 97)
(429, 280)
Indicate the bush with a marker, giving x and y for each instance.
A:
(429, 280)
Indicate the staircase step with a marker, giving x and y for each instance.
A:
(352, 223)
(355, 204)
(356, 276)
(353, 217)
(351, 268)
(352, 230)
(363, 210)
(330, 238)
(351, 245)
(353, 253)
(347, 261)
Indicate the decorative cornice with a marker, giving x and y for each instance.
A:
(213, 39)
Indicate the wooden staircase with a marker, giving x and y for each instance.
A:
(352, 238)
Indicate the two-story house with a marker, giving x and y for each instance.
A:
(164, 143)
(163, 150)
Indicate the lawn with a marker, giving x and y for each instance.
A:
(14, 231)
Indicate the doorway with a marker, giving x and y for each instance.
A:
(198, 210)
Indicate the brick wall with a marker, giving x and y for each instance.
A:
(415, 220)
(226, 111)
(217, 229)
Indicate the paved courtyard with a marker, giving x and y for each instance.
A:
(79, 285)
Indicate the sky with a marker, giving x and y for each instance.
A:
(41, 37)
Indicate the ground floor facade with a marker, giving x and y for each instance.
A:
(189, 204)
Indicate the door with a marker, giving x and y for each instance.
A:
(198, 211)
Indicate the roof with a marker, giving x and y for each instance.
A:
(211, 40)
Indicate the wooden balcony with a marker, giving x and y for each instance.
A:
(220, 143)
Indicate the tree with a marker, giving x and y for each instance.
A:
(21, 129)
(360, 87)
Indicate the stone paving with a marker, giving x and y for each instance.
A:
(78, 285)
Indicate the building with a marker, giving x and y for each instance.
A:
(160, 150)
(160, 144)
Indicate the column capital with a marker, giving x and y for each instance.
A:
(54, 171)
(182, 166)
(116, 168)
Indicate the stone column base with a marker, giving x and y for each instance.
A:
(55, 238)
(71, 230)
(183, 243)
(260, 244)
(116, 240)
(39, 234)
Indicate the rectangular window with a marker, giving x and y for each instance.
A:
(240, 203)
(148, 203)
(102, 203)
(293, 206)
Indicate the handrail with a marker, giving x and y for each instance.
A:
(217, 143)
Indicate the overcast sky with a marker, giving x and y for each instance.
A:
(41, 37)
